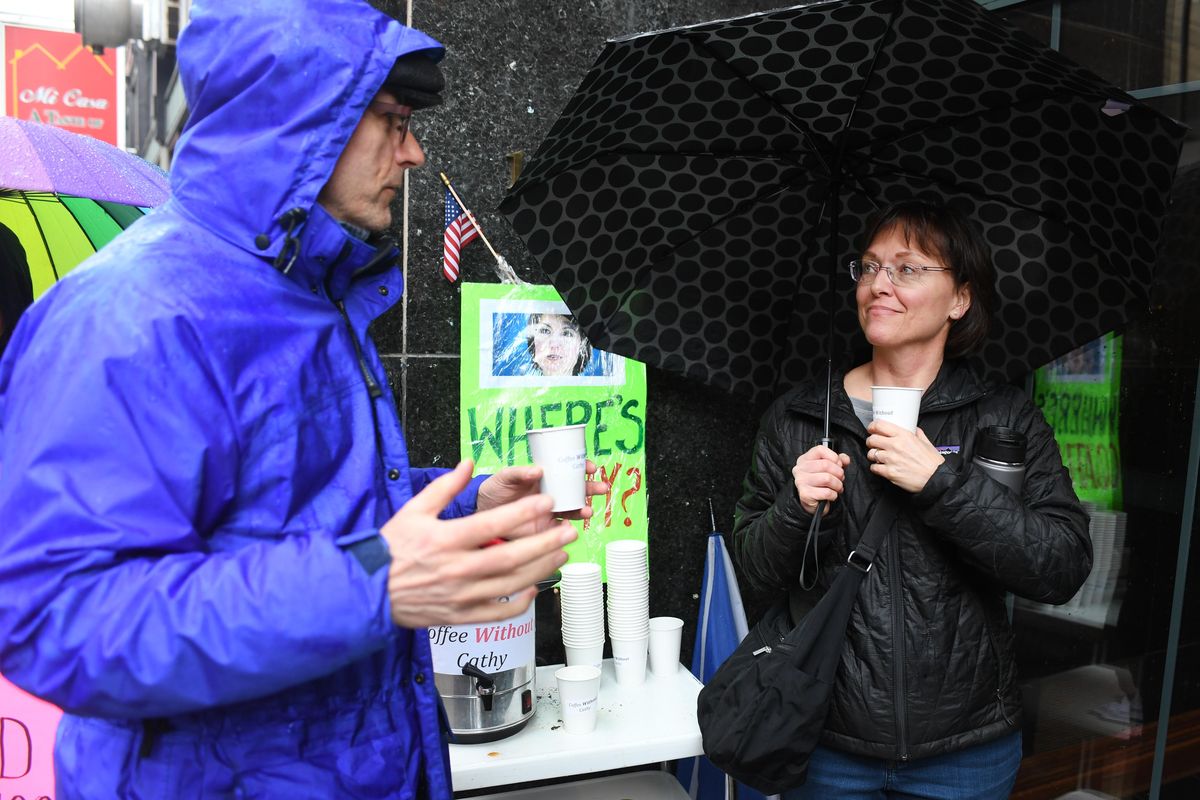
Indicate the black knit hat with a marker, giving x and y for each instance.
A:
(416, 80)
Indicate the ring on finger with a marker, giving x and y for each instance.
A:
(871, 454)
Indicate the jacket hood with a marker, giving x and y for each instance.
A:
(275, 88)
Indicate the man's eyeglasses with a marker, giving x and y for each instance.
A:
(865, 271)
(397, 116)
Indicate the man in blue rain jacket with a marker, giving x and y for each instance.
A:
(214, 555)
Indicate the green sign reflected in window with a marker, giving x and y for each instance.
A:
(1078, 393)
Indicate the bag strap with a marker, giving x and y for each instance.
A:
(862, 556)
(885, 512)
(886, 509)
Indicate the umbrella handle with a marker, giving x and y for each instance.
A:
(810, 543)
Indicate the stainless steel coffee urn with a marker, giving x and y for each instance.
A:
(485, 675)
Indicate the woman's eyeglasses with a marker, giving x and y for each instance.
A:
(866, 270)
(397, 116)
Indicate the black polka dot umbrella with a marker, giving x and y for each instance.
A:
(683, 203)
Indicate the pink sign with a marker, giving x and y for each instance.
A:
(53, 78)
(27, 727)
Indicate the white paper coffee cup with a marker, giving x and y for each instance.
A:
(589, 656)
(562, 454)
(899, 405)
(629, 659)
(578, 697)
(665, 636)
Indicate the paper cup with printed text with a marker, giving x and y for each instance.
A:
(899, 405)
(562, 454)
(629, 659)
(579, 697)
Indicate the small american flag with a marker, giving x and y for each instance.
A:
(459, 232)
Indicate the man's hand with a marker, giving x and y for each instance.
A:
(441, 571)
(818, 475)
(906, 459)
(513, 483)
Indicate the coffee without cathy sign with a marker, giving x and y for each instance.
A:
(493, 647)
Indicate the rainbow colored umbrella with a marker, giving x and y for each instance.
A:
(66, 195)
(60, 231)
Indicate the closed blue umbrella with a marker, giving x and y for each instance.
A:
(719, 629)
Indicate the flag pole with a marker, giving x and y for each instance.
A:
(470, 216)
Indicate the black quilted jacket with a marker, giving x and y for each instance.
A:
(928, 664)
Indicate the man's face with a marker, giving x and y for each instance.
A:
(370, 171)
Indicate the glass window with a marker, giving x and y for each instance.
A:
(1095, 671)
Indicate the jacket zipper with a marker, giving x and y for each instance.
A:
(900, 655)
(375, 392)
(1000, 703)
(376, 262)
(987, 626)
(372, 384)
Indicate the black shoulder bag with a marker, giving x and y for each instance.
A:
(764, 710)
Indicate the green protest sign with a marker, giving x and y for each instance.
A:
(1078, 393)
(526, 365)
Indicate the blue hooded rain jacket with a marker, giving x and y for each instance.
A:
(197, 452)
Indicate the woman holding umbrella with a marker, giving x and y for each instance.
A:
(926, 703)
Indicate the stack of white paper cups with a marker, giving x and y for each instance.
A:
(581, 597)
(628, 608)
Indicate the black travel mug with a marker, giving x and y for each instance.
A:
(1000, 452)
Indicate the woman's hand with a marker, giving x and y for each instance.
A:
(906, 459)
(819, 475)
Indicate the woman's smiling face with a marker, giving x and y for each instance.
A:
(919, 314)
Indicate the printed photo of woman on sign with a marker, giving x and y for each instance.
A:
(536, 343)
(1088, 363)
(556, 345)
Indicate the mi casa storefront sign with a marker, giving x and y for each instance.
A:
(50, 77)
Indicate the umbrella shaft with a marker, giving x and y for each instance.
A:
(835, 213)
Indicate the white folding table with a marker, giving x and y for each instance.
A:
(645, 724)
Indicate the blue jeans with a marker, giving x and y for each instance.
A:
(983, 772)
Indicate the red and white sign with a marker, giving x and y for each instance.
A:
(51, 77)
